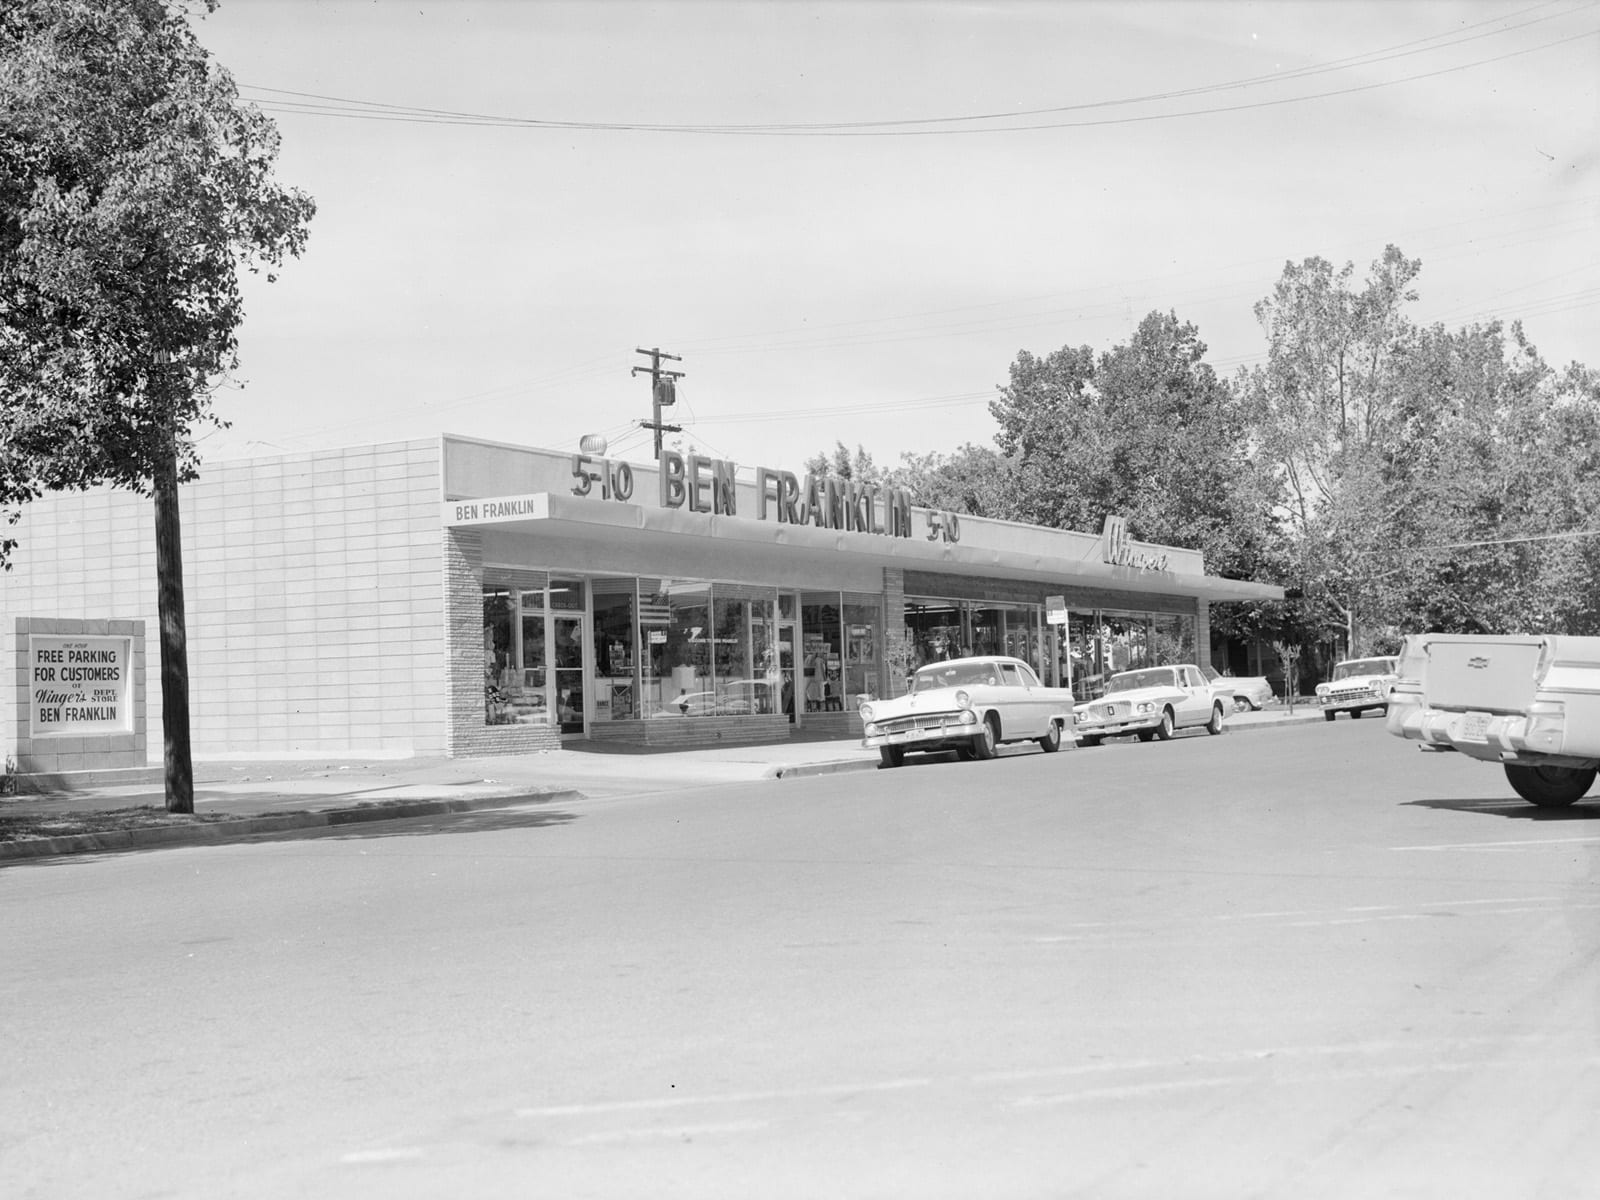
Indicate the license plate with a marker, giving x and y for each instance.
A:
(1474, 727)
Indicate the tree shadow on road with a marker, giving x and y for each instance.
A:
(485, 820)
(1515, 810)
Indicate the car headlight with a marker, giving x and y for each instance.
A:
(872, 730)
(968, 717)
(1322, 689)
(866, 712)
(1145, 706)
(963, 700)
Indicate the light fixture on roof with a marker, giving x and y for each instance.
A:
(592, 443)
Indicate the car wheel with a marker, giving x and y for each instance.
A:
(1164, 730)
(1090, 739)
(1051, 742)
(1355, 714)
(891, 756)
(1329, 715)
(983, 746)
(1550, 787)
(1214, 726)
(1147, 735)
(1241, 704)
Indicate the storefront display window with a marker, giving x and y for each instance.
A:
(515, 648)
(747, 676)
(935, 630)
(863, 649)
(677, 675)
(616, 683)
(945, 629)
(1104, 643)
(822, 652)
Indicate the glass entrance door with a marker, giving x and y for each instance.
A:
(787, 637)
(566, 657)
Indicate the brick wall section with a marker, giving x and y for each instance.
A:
(314, 612)
(98, 752)
(467, 735)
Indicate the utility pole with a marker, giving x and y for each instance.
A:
(663, 392)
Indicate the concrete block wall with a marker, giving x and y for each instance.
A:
(312, 593)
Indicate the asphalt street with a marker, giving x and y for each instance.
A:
(1305, 962)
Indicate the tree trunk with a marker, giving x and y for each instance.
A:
(174, 639)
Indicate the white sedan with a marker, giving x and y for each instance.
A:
(1154, 702)
(1250, 692)
(1358, 684)
(969, 705)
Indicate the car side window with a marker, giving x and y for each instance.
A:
(1009, 676)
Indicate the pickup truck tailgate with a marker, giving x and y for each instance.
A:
(1483, 674)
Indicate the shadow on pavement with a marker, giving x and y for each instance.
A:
(487, 820)
(1516, 810)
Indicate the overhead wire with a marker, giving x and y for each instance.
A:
(317, 104)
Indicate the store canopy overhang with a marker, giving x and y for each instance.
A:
(624, 525)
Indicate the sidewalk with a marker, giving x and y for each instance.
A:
(234, 799)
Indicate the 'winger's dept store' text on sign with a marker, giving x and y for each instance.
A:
(79, 685)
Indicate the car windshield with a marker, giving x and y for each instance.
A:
(954, 674)
(1132, 681)
(1364, 666)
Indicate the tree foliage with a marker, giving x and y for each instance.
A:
(1432, 479)
(1393, 477)
(134, 184)
(1147, 430)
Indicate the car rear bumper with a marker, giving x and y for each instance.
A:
(1537, 736)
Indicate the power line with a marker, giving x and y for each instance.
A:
(336, 106)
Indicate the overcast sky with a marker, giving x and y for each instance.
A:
(848, 218)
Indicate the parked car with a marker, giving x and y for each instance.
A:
(1154, 702)
(969, 705)
(1357, 685)
(1530, 703)
(1250, 692)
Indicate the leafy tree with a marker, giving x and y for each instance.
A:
(843, 465)
(134, 183)
(974, 479)
(1492, 499)
(1324, 390)
(1148, 431)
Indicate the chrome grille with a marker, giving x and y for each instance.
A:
(919, 721)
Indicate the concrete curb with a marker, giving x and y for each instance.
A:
(801, 770)
(232, 828)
